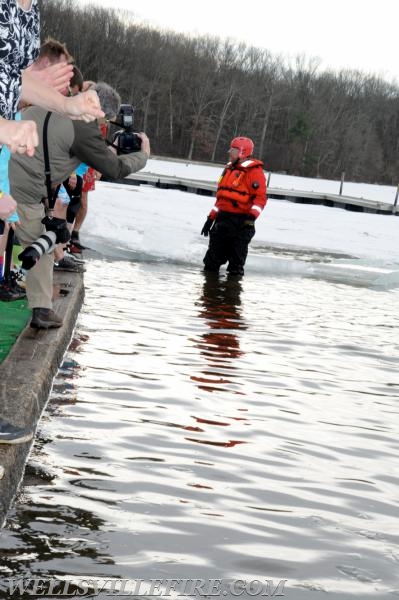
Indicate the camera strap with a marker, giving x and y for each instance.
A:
(51, 193)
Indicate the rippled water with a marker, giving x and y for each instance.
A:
(206, 428)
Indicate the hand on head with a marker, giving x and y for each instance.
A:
(57, 75)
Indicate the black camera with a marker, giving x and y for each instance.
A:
(59, 227)
(126, 141)
(57, 232)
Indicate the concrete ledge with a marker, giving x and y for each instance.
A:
(26, 378)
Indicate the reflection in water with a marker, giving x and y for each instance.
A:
(219, 344)
(281, 464)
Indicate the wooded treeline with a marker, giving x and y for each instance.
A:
(192, 95)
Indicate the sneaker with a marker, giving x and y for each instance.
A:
(75, 258)
(73, 249)
(9, 434)
(1, 472)
(17, 281)
(77, 245)
(45, 318)
(69, 264)
(9, 292)
(18, 276)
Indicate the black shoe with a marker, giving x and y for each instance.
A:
(75, 257)
(9, 292)
(74, 236)
(68, 263)
(9, 434)
(45, 318)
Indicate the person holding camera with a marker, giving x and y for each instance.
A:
(69, 143)
(240, 198)
(52, 61)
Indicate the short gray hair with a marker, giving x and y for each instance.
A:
(110, 100)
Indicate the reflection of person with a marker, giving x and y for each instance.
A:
(240, 198)
(69, 144)
(219, 344)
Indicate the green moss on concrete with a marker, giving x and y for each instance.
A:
(14, 316)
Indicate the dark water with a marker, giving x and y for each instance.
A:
(218, 429)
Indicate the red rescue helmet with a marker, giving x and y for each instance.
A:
(244, 145)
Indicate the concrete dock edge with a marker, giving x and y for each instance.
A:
(26, 378)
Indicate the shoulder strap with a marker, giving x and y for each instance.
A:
(51, 194)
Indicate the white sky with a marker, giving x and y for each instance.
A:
(342, 34)
(146, 221)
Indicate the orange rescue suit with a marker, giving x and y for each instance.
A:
(241, 189)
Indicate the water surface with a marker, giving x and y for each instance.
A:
(219, 429)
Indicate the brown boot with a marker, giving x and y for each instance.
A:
(45, 318)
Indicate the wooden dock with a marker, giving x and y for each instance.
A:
(208, 188)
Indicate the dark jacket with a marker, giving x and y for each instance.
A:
(70, 143)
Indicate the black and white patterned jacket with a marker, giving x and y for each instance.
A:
(19, 47)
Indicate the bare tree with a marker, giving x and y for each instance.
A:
(193, 94)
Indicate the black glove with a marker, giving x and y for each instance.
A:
(207, 227)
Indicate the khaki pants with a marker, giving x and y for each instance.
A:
(39, 279)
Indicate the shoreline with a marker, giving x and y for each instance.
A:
(26, 379)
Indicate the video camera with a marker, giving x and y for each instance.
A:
(126, 141)
(57, 232)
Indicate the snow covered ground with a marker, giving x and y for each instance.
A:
(382, 193)
(306, 240)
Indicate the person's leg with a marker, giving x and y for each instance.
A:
(3, 243)
(88, 185)
(80, 217)
(8, 253)
(39, 279)
(239, 250)
(216, 254)
(60, 209)
(75, 196)
(9, 288)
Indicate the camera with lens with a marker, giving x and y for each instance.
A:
(59, 227)
(126, 141)
(57, 232)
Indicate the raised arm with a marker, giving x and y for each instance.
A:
(84, 106)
